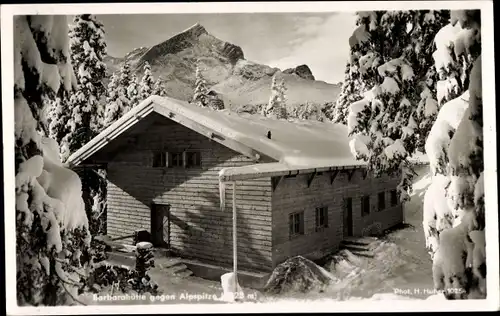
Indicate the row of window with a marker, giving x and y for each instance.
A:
(185, 159)
(365, 202)
(296, 220)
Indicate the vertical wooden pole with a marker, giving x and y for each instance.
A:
(235, 250)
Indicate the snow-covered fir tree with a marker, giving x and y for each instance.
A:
(97, 215)
(52, 237)
(307, 111)
(133, 94)
(429, 24)
(147, 83)
(200, 97)
(159, 88)
(46, 114)
(124, 81)
(454, 213)
(59, 114)
(350, 93)
(328, 109)
(389, 49)
(117, 101)
(114, 108)
(276, 106)
(125, 75)
(315, 112)
(94, 196)
(88, 49)
(215, 102)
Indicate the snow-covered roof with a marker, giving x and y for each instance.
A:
(294, 144)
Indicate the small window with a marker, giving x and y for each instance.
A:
(365, 205)
(193, 159)
(176, 160)
(296, 224)
(160, 159)
(381, 201)
(394, 197)
(321, 218)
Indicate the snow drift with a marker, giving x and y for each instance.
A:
(399, 270)
(297, 274)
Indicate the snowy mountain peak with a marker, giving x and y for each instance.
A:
(302, 71)
(195, 39)
(136, 52)
(196, 30)
(223, 66)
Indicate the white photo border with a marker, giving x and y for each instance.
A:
(490, 174)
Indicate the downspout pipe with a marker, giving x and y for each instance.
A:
(224, 179)
(235, 241)
(222, 192)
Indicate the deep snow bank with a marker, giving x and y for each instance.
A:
(297, 274)
(400, 270)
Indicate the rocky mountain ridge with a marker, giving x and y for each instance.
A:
(238, 81)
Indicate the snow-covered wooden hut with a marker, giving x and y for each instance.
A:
(172, 168)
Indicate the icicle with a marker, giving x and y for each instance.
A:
(222, 194)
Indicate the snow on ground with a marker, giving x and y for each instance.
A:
(400, 270)
(401, 261)
(172, 290)
(401, 267)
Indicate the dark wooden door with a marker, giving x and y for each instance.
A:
(166, 226)
(160, 225)
(347, 217)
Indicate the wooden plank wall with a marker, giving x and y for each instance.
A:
(199, 229)
(293, 195)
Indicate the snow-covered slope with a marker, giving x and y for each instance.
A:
(223, 65)
(400, 270)
(237, 90)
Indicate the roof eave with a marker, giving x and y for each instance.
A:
(111, 132)
(288, 172)
(292, 171)
(140, 111)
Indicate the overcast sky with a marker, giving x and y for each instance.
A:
(282, 40)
